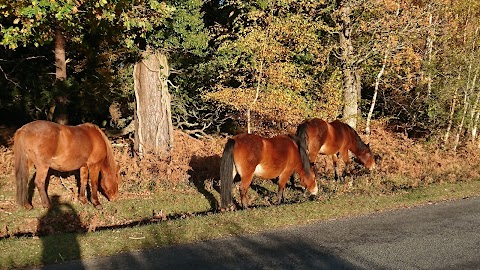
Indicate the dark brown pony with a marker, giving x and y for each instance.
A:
(64, 148)
(248, 155)
(332, 139)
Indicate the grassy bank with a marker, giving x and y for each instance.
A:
(171, 200)
(195, 226)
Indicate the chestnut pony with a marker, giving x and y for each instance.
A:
(248, 155)
(333, 138)
(64, 148)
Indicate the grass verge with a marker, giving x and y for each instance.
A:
(35, 251)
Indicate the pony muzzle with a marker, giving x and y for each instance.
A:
(115, 197)
(112, 197)
(314, 191)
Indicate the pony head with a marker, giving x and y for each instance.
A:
(310, 183)
(366, 157)
(109, 183)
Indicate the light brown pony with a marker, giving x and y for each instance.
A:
(332, 139)
(248, 155)
(64, 148)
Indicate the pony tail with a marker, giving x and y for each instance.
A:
(226, 174)
(301, 139)
(21, 169)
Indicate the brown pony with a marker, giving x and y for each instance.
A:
(64, 148)
(332, 139)
(248, 155)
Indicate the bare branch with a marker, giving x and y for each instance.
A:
(8, 79)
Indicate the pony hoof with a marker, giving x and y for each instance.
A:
(99, 207)
(48, 206)
(28, 206)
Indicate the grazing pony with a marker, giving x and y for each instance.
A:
(248, 155)
(64, 148)
(333, 138)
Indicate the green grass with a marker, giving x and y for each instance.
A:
(191, 227)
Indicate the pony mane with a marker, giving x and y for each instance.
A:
(301, 135)
(360, 144)
(110, 160)
(302, 149)
(301, 130)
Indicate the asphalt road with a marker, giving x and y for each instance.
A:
(437, 236)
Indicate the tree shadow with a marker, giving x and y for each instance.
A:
(58, 230)
(205, 175)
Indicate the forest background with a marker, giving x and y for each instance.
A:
(218, 66)
(170, 80)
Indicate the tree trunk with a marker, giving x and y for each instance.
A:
(375, 93)
(60, 62)
(430, 38)
(472, 123)
(460, 126)
(154, 129)
(350, 72)
(58, 109)
(475, 126)
(450, 120)
(358, 86)
(257, 91)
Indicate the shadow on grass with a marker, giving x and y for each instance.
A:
(58, 230)
(205, 171)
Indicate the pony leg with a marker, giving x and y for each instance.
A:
(83, 184)
(335, 168)
(40, 180)
(93, 172)
(282, 183)
(347, 161)
(244, 185)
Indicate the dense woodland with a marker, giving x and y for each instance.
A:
(209, 67)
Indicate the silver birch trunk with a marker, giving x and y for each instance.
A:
(375, 92)
(475, 126)
(257, 91)
(460, 126)
(430, 38)
(473, 111)
(450, 119)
